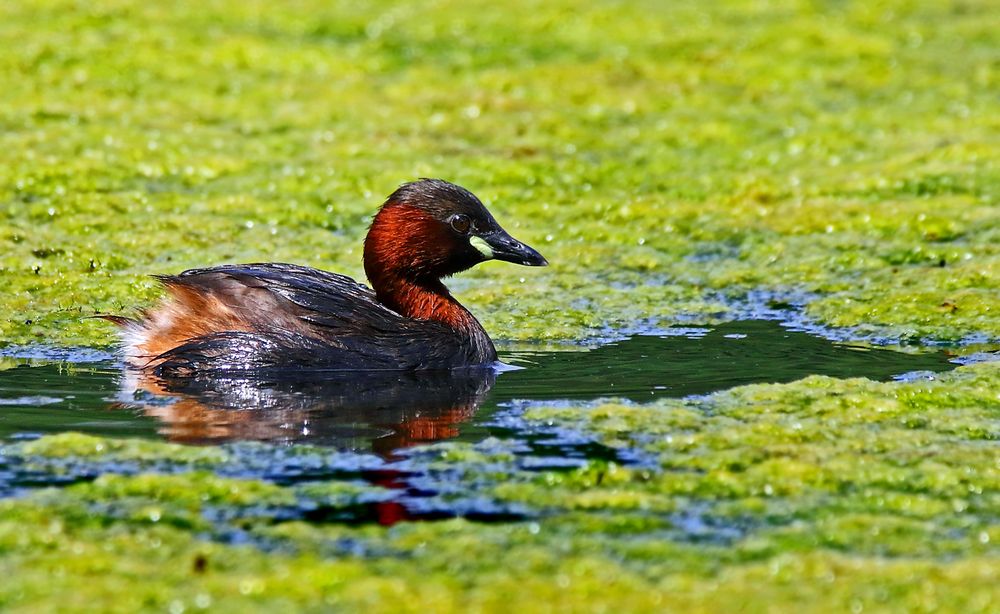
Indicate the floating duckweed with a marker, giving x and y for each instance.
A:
(80, 446)
(672, 160)
(816, 491)
(811, 150)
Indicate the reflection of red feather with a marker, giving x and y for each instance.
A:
(389, 513)
(381, 412)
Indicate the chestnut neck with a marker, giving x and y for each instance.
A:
(404, 254)
(424, 301)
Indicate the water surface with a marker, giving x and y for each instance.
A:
(384, 413)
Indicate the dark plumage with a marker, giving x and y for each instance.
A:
(324, 321)
(282, 316)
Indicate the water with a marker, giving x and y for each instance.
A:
(383, 414)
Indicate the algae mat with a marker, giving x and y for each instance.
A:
(820, 495)
(664, 157)
(669, 159)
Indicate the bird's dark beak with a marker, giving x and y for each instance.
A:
(502, 246)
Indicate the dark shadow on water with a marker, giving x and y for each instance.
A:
(388, 412)
(381, 412)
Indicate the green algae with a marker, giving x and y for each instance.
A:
(81, 447)
(666, 159)
(817, 495)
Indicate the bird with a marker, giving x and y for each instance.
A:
(277, 317)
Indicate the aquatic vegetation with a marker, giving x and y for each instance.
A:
(675, 162)
(833, 493)
(667, 158)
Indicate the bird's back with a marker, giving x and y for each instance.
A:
(280, 316)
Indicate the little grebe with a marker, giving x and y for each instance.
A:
(282, 316)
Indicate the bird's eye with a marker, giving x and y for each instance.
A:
(461, 223)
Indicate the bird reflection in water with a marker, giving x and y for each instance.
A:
(372, 411)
